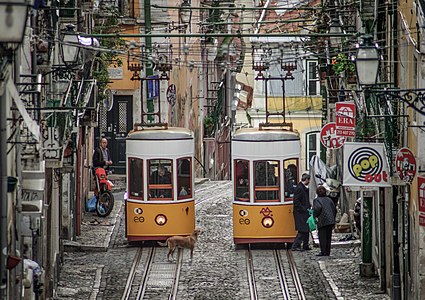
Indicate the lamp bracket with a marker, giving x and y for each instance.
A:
(414, 99)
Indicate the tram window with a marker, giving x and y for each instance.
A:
(291, 177)
(160, 179)
(266, 181)
(184, 178)
(241, 180)
(135, 177)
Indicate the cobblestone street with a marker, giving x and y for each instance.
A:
(218, 268)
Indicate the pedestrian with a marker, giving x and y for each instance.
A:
(101, 156)
(325, 211)
(301, 214)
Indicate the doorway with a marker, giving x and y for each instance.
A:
(114, 125)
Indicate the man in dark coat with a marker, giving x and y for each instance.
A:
(301, 214)
(101, 156)
(324, 210)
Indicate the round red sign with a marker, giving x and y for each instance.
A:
(405, 163)
(329, 138)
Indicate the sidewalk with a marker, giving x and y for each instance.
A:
(96, 232)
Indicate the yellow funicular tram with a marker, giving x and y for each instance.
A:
(265, 173)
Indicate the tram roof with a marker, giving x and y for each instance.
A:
(255, 134)
(160, 133)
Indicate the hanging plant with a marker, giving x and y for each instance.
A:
(342, 63)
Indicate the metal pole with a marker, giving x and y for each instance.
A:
(366, 266)
(3, 194)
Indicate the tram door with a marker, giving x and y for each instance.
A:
(114, 125)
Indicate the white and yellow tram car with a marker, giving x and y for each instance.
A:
(265, 173)
(160, 183)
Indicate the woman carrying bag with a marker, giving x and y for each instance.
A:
(324, 210)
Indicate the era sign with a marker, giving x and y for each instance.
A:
(345, 119)
(405, 164)
(421, 193)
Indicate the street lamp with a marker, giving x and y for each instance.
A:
(13, 18)
(367, 62)
(70, 46)
(185, 13)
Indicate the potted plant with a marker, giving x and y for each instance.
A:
(208, 126)
(341, 63)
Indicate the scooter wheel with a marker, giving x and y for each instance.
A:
(105, 204)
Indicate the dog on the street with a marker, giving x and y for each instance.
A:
(176, 241)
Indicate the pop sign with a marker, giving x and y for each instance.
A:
(345, 119)
(329, 138)
(365, 165)
(405, 164)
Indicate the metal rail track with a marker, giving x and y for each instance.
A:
(289, 281)
(250, 272)
(148, 276)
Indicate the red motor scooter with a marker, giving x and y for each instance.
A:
(103, 193)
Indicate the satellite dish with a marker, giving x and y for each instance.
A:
(108, 102)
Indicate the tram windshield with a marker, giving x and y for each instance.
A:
(266, 180)
(241, 180)
(291, 177)
(184, 178)
(135, 177)
(160, 179)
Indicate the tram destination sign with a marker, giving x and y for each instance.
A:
(345, 119)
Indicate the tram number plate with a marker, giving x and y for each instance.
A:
(139, 219)
(244, 221)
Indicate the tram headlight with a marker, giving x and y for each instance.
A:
(267, 222)
(160, 220)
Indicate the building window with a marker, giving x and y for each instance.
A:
(312, 78)
(312, 146)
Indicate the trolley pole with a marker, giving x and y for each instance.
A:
(148, 66)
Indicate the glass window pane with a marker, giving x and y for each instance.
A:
(242, 180)
(136, 177)
(291, 177)
(266, 180)
(160, 179)
(184, 179)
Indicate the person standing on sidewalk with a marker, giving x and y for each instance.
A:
(325, 212)
(301, 207)
(101, 156)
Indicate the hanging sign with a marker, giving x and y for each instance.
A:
(345, 119)
(421, 193)
(329, 138)
(365, 165)
(405, 164)
(171, 94)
